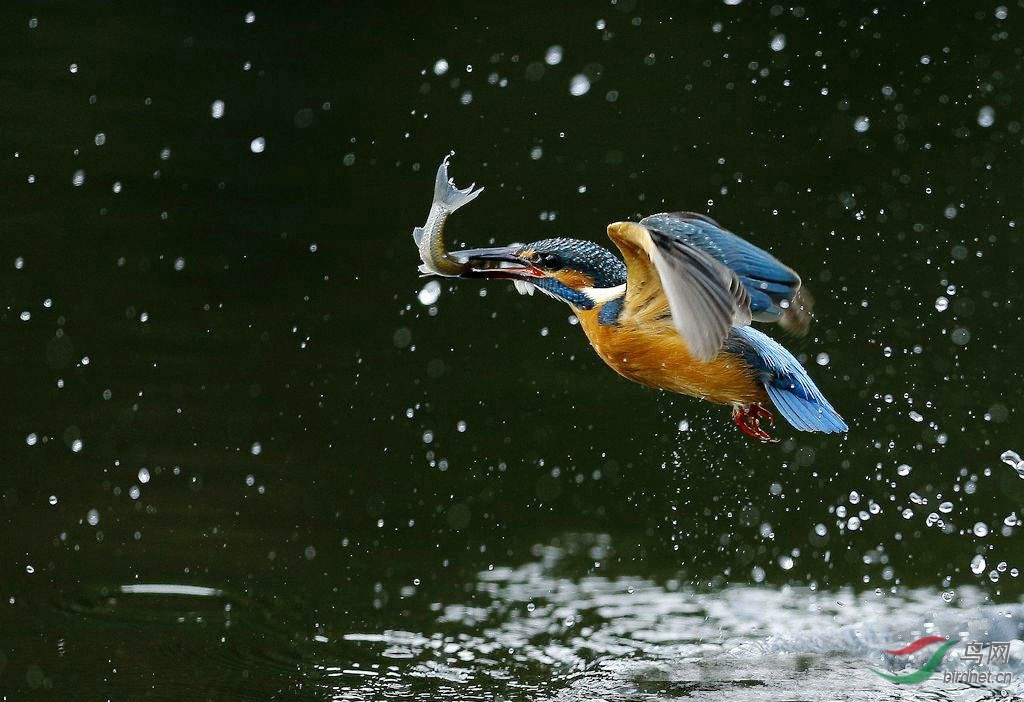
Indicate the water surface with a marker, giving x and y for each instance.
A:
(246, 456)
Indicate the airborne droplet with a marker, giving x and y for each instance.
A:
(579, 85)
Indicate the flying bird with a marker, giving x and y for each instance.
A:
(676, 314)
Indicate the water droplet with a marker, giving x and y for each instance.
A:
(430, 293)
(258, 145)
(903, 470)
(579, 85)
(757, 574)
(78, 178)
(256, 449)
(986, 116)
(822, 359)
(460, 426)
(778, 42)
(93, 517)
(100, 139)
(402, 337)
(946, 507)
(981, 529)
(960, 336)
(32, 439)
(978, 564)
(861, 124)
(941, 303)
(440, 67)
(217, 109)
(250, 17)
(1010, 458)
(77, 446)
(916, 416)
(553, 56)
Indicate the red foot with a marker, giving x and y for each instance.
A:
(748, 419)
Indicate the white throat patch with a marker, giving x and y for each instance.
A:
(598, 296)
(602, 295)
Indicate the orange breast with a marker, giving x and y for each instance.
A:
(656, 356)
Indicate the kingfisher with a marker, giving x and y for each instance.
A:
(675, 313)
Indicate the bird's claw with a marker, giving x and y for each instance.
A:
(748, 419)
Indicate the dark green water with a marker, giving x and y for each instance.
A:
(219, 375)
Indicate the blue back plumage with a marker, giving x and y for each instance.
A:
(768, 281)
(788, 385)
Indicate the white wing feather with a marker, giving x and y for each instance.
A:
(705, 297)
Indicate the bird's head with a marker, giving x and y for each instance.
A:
(578, 272)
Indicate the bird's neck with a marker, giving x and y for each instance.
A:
(605, 302)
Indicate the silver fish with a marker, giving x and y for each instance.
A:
(430, 237)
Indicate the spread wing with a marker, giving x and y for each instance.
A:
(665, 275)
(776, 293)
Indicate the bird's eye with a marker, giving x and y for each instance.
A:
(551, 261)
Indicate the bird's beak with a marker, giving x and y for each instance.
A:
(496, 262)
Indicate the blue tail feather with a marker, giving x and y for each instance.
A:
(788, 385)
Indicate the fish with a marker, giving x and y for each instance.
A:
(430, 237)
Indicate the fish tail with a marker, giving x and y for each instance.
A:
(445, 192)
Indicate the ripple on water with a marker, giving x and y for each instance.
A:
(539, 632)
(244, 639)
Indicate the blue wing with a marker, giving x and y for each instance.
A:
(788, 385)
(774, 288)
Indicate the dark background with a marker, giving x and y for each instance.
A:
(225, 299)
